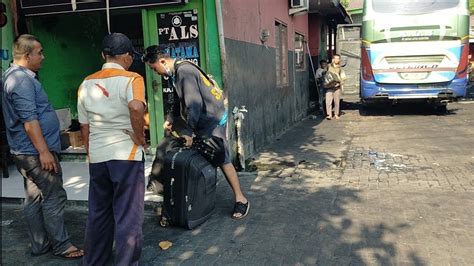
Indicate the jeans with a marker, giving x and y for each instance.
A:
(45, 199)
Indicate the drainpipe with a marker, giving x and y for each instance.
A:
(220, 28)
(107, 10)
(238, 113)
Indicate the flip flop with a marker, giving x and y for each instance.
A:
(240, 207)
(69, 254)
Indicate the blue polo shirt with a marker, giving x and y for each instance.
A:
(24, 100)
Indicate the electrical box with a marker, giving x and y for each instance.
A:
(298, 6)
(297, 3)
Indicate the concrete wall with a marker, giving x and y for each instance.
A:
(252, 70)
(70, 55)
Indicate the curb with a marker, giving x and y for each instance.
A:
(149, 205)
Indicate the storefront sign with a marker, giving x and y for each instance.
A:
(6, 26)
(179, 31)
(44, 7)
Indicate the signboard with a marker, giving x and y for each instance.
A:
(44, 7)
(6, 24)
(179, 31)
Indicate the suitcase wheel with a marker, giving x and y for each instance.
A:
(164, 222)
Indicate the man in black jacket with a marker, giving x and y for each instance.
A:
(201, 106)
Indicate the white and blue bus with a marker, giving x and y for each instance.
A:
(414, 50)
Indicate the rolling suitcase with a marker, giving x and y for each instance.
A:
(189, 189)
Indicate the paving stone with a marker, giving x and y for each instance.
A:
(387, 188)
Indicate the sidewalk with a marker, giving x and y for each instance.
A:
(390, 187)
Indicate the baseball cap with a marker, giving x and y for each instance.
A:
(116, 44)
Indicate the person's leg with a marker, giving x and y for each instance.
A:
(52, 206)
(40, 243)
(337, 100)
(129, 193)
(329, 98)
(322, 104)
(99, 235)
(233, 179)
(242, 205)
(155, 181)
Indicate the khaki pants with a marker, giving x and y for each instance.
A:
(332, 94)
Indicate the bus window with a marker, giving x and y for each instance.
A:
(412, 7)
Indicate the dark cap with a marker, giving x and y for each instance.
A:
(117, 44)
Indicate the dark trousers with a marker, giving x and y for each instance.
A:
(156, 175)
(45, 199)
(116, 202)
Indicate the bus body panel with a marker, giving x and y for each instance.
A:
(414, 50)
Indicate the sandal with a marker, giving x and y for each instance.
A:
(73, 254)
(328, 117)
(155, 187)
(242, 208)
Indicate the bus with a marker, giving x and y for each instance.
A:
(414, 50)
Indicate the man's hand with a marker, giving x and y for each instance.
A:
(189, 140)
(33, 130)
(47, 162)
(139, 140)
(167, 125)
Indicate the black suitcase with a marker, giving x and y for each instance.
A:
(189, 188)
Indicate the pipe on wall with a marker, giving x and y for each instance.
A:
(220, 29)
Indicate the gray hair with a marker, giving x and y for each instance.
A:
(23, 44)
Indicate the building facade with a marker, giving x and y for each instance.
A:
(255, 49)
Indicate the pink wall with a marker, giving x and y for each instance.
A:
(244, 19)
(355, 4)
(315, 36)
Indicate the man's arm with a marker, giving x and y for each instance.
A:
(24, 102)
(192, 97)
(137, 111)
(136, 107)
(83, 119)
(85, 136)
(33, 130)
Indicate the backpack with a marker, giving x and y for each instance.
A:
(215, 90)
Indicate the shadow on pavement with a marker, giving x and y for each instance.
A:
(400, 109)
(289, 224)
(298, 145)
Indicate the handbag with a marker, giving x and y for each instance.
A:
(212, 149)
(330, 80)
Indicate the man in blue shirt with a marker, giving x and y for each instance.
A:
(33, 135)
